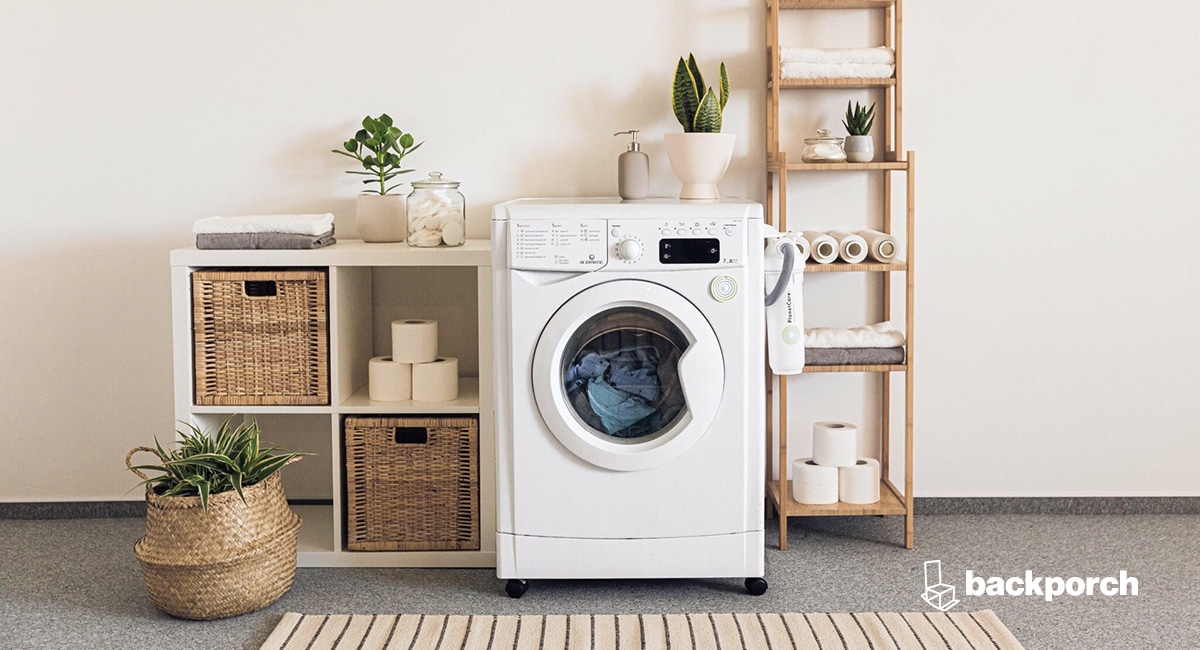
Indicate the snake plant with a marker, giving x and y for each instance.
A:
(859, 120)
(203, 464)
(696, 106)
(385, 146)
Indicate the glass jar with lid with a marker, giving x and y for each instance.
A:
(437, 213)
(823, 149)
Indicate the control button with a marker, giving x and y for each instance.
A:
(616, 232)
(666, 232)
(723, 288)
(681, 231)
(629, 250)
(729, 232)
(697, 232)
(712, 231)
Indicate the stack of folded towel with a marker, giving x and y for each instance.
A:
(850, 63)
(869, 345)
(290, 231)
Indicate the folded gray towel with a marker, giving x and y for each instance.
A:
(263, 240)
(853, 356)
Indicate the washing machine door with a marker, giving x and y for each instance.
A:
(628, 375)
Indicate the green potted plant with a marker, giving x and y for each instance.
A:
(859, 145)
(220, 539)
(700, 155)
(379, 147)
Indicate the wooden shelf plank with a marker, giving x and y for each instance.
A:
(879, 368)
(835, 4)
(899, 165)
(857, 82)
(862, 267)
(889, 503)
(346, 252)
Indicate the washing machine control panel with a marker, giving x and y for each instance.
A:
(576, 245)
(663, 244)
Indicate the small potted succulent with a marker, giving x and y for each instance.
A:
(860, 147)
(700, 155)
(220, 538)
(380, 147)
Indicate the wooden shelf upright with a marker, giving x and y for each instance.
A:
(892, 159)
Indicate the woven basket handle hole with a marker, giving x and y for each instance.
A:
(260, 288)
(411, 435)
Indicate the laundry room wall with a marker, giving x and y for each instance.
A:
(1052, 352)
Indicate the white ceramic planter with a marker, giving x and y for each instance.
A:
(699, 160)
(860, 148)
(380, 217)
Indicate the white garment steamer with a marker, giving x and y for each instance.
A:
(783, 269)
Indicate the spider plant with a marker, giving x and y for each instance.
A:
(204, 464)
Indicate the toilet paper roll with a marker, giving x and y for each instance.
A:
(851, 247)
(414, 341)
(813, 484)
(859, 483)
(835, 444)
(881, 246)
(822, 248)
(435, 381)
(388, 380)
(802, 248)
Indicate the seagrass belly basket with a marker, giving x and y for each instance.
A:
(235, 559)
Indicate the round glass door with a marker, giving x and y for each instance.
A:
(628, 375)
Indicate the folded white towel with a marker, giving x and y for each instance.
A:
(880, 54)
(879, 335)
(312, 225)
(798, 70)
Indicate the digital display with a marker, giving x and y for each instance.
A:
(689, 251)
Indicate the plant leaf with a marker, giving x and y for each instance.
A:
(708, 115)
(694, 68)
(406, 140)
(385, 119)
(683, 96)
(724, 87)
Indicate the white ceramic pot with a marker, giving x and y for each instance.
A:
(860, 148)
(380, 217)
(699, 160)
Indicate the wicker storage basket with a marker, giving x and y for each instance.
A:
(234, 559)
(261, 337)
(412, 483)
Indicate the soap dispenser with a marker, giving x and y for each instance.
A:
(633, 170)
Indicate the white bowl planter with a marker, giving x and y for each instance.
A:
(699, 160)
(380, 217)
(860, 148)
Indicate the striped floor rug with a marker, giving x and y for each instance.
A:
(919, 631)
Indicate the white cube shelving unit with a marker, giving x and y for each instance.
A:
(369, 286)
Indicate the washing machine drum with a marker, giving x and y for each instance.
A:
(628, 375)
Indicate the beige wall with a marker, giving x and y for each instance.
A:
(1056, 150)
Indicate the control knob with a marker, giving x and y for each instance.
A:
(629, 249)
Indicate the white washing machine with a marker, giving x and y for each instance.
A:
(629, 414)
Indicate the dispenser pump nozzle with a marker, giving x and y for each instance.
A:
(633, 144)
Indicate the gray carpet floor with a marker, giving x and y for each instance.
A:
(76, 583)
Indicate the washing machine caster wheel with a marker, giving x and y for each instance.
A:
(517, 588)
(756, 586)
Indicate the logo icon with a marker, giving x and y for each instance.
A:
(938, 594)
(792, 335)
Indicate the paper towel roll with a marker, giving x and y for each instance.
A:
(435, 381)
(835, 444)
(414, 341)
(822, 248)
(851, 247)
(859, 483)
(389, 381)
(813, 484)
(881, 246)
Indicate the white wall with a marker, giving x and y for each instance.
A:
(124, 121)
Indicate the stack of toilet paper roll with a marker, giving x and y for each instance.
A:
(414, 371)
(835, 472)
(850, 247)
